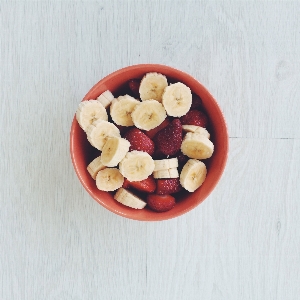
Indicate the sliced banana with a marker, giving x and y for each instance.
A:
(106, 98)
(177, 99)
(90, 111)
(148, 114)
(95, 166)
(166, 173)
(163, 164)
(121, 109)
(152, 86)
(196, 129)
(136, 165)
(127, 198)
(113, 151)
(197, 146)
(98, 133)
(109, 179)
(193, 174)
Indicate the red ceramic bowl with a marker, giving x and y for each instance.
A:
(82, 153)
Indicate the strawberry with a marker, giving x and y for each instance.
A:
(168, 186)
(168, 140)
(151, 133)
(196, 101)
(134, 85)
(139, 141)
(194, 117)
(147, 185)
(160, 203)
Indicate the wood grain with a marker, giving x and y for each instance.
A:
(241, 243)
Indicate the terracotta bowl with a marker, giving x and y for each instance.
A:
(82, 153)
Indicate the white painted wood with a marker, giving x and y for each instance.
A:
(241, 243)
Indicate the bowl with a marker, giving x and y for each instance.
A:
(82, 153)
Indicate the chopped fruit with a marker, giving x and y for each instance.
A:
(177, 99)
(194, 117)
(152, 86)
(160, 203)
(168, 186)
(127, 198)
(168, 140)
(193, 175)
(151, 140)
(134, 85)
(151, 133)
(139, 141)
(196, 101)
(148, 114)
(147, 185)
(136, 165)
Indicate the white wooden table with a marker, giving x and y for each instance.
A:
(242, 243)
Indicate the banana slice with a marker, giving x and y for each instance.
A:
(196, 129)
(167, 173)
(90, 111)
(136, 165)
(197, 146)
(113, 151)
(95, 166)
(193, 174)
(148, 114)
(177, 99)
(98, 133)
(106, 98)
(121, 109)
(152, 86)
(127, 198)
(165, 164)
(109, 179)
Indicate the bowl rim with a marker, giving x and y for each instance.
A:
(158, 216)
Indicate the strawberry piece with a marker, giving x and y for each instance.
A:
(151, 133)
(168, 140)
(147, 185)
(139, 141)
(134, 85)
(196, 101)
(168, 186)
(160, 203)
(194, 117)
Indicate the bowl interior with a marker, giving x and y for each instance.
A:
(82, 153)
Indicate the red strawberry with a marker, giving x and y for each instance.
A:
(139, 141)
(196, 101)
(151, 133)
(194, 117)
(168, 186)
(134, 85)
(168, 140)
(160, 203)
(147, 185)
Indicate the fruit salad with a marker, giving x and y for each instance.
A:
(153, 142)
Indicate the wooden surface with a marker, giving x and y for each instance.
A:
(243, 242)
